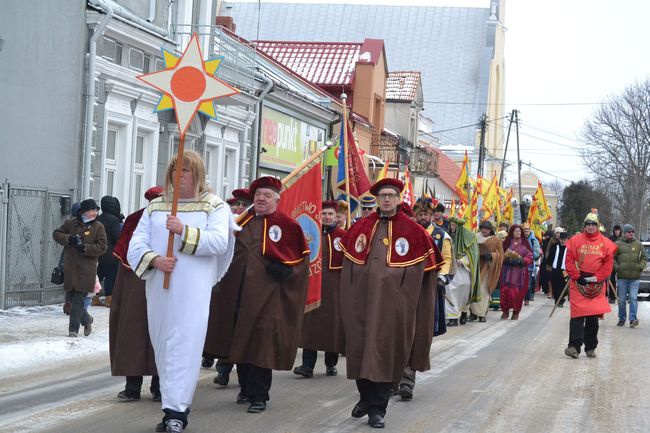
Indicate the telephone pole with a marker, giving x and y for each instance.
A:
(522, 205)
(481, 149)
(505, 151)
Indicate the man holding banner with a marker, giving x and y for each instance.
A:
(322, 329)
(388, 295)
(261, 299)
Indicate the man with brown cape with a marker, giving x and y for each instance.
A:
(490, 262)
(128, 330)
(321, 328)
(388, 295)
(260, 301)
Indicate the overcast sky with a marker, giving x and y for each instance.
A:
(569, 53)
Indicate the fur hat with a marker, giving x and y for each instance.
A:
(87, 205)
(396, 184)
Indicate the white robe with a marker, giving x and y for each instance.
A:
(458, 290)
(178, 316)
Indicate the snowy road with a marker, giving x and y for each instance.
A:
(501, 376)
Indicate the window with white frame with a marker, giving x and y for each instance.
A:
(112, 50)
(110, 161)
(136, 59)
(137, 182)
(229, 181)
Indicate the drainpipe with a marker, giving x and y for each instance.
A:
(90, 98)
(152, 11)
(257, 127)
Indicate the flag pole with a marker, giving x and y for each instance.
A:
(288, 178)
(177, 180)
(344, 125)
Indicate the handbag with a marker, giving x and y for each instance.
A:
(57, 273)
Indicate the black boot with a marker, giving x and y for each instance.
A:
(452, 322)
(472, 317)
(463, 318)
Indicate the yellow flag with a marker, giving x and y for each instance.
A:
(491, 199)
(543, 211)
(462, 184)
(384, 171)
(534, 221)
(471, 212)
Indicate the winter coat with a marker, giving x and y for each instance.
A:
(80, 269)
(111, 219)
(629, 259)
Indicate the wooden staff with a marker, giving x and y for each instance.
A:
(177, 180)
(613, 289)
(239, 218)
(344, 126)
(566, 287)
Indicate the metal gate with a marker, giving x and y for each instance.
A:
(30, 253)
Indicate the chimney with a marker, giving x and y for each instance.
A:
(226, 22)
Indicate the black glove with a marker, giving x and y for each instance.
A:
(278, 271)
(517, 262)
(581, 281)
(72, 239)
(79, 244)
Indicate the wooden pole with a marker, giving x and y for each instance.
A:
(177, 180)
(288, 178)
(344, 125)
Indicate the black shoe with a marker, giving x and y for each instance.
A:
(331, 371)
(222, 379)
(88, 327)
(175, 426)
(242, 399)
(359, 410)
(394, 389)
(621, 323)
(481, 319)
(452, 322)
(155, 396)
(304, 371)
(257, 407)
(406, 392)
(128, 395)
(207, 362)
(376, 421)
(472, 317)
(463, 318)
(161, 427)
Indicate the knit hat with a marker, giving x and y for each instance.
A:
(628, 228)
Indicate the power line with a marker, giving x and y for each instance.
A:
(545, 172)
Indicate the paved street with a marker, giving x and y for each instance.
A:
(502, 376)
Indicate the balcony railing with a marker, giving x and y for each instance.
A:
(424, 162)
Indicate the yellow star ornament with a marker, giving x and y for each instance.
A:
(188, 84)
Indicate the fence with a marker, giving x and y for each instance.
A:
(28, 216)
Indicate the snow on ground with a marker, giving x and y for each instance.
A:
(38, 336)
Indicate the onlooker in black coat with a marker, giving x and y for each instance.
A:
(111, 217)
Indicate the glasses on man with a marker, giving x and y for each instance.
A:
(630, 231)
(387, 196)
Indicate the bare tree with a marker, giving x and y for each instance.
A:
(618, 150)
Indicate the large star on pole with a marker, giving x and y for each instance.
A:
(188, 84)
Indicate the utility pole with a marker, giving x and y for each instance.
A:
(505, 151)
(481, 149)
(522, 205)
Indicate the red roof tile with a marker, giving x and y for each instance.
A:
(402, 86)
(322, 63)
(448, 170)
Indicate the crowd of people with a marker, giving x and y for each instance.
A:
(235, 288)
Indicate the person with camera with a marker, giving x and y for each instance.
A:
(589, 262)
(261, 300)
(84, 239)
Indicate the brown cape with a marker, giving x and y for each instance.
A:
(254, 318)
(128, 333)
(387, 314)
(322, 328)
(492, 269)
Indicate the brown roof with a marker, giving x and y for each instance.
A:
(448, 170)
(402, 86)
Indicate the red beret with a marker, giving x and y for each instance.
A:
(265, 182)
(330, 204)
(231, 201)
(153, 192)
(406, 209)
(396, 184)
(242, 195)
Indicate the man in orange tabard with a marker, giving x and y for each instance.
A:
(589, 262)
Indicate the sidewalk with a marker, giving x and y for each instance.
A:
(33, 337)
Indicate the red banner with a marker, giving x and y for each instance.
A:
(359, 183)
(302, 201)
